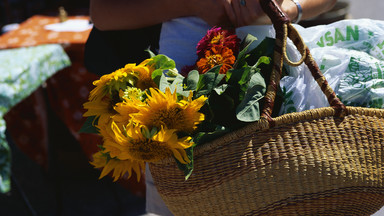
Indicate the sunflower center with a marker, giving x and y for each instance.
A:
(149, 150)
(169, 117)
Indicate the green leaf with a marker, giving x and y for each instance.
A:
(151, 54)
(262, 60)
(249, 110)
(221, 89)
(88, 126)
(223, 107)
(5, 165)
(265, 48)
(246, 43)
(161, 63)
(163, 83)
(248, 40)
(192, 80)
(257, 80)
(208, 82)
(186, 168)
(149, 133)
(178, 85)
(239, 78)
(156, 76)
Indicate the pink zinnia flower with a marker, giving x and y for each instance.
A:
(217, 36)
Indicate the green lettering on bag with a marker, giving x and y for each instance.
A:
(321, 42)
(353, 33)
(379, 71)
(329, 38)
(368, 45)
(338, 36)
(381, 45)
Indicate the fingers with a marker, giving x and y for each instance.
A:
(248, 12)
(244, 11)
(230, 12)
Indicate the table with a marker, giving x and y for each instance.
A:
(63, 94)
(32, 32)
(22, 71)
(29, 56)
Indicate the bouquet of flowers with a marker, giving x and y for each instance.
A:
(149, 112)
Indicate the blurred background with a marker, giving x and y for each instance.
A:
(17, 11)
(51, 174)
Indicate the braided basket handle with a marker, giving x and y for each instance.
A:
(285, 29)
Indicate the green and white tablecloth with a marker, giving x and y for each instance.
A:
(22, 70)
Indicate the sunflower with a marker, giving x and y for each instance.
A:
(109, 145)
(131, 75)
(127, 148)
(164, 109)
(137, 143)
(217, 55)
(121, 168)
(107, 83)
(132, 101)
(101, 108)
(143, 74)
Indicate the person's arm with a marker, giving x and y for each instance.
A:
(251, 13)
(311, 8)
(133, 14)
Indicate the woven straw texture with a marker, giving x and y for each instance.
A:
(326, 161)
(310, 163)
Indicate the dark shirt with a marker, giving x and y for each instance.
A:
(107, 51)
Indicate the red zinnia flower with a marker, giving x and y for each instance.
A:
(217, 36)
(217, 55)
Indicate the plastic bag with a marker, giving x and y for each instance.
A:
(350, 53)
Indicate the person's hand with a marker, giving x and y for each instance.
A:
(214, 12)
(249, 12)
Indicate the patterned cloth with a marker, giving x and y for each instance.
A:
(25, 64)
(32, 32)
(22, 71)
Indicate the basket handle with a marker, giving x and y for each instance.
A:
(285, 29)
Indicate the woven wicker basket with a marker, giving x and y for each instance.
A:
(326, 161)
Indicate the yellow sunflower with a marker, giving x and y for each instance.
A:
(101, 108)
(109, 145)
(121, 168)
(132, 101)
(164, 109)
(132, 146)
(107, 83)
(131, 75)
(138, 143)
(143, 74)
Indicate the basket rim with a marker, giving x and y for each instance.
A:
(289, 118)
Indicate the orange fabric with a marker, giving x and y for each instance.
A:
(27, 125)
(32, 33)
